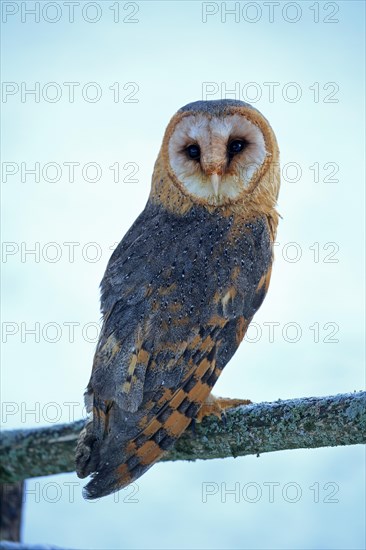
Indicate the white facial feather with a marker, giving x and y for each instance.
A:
(213, 136)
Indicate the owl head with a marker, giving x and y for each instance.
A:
(218, 154)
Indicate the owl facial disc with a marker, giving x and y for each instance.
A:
(215, 158)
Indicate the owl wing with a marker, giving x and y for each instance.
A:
(177, 297)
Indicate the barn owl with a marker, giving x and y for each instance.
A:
(181, 289)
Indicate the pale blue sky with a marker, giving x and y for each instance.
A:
(169, 54)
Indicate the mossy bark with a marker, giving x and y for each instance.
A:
(309, 422)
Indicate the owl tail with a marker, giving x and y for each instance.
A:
(115, 468)
(89, 445)
(139, 455)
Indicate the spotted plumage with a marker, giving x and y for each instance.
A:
(180, 289)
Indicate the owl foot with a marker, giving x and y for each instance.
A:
(217, 406)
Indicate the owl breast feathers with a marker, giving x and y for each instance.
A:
(180, 289)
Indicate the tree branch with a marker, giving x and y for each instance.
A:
(11, 499)
(253, 429)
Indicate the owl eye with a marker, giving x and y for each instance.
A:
(193, 152)
(236, 146)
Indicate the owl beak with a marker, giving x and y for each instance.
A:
(215, 182)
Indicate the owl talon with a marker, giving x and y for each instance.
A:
(217, 406)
